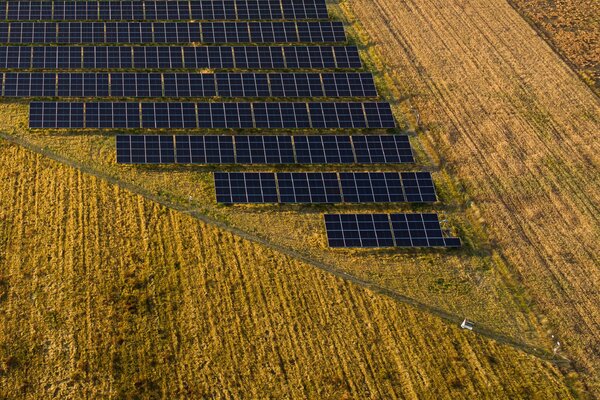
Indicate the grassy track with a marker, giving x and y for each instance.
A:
(105, 294)
(505, 115)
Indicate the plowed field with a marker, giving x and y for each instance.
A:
(503, 113)
(573, 28)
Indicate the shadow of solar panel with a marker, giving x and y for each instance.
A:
(399, 230)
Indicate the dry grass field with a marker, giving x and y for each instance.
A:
(500, 111)
(573, 27)
(472, 282)
(104, 294)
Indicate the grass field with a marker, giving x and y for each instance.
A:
(573, 28)
(501, 112)
(104, 294)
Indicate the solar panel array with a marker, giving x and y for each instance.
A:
(324, 187)
(386, 230)
(162, 10)
(171, 32)
(138, 84)
(210, 115)
(172, 57)
(184, 149)
(161, 26)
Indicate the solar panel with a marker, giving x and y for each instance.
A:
(345, 187)
(380, 149)
(171, 32)
(204, 149)
(211, 115)
(359, 230)
(147, 149)
(308, 85)
(273, 150)
(173, 57)
(420, 230)
(386, 230)
(312, 187)
(264, 150)
(245, 188)
(163, 10)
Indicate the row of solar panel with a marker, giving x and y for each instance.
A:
(163, 10)
(210, 115)
(324, 187)
(336, 84)
(322, 149)
(218, 57)
(171, 32)
(386, 230)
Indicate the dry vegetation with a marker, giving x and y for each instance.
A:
(107, 295)
(573, 28)
(472, 282)
(518, 128)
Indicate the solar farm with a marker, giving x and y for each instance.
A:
(293, 199)
(44, 42)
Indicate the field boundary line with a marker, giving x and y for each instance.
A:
(438, 312)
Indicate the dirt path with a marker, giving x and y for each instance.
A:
(520, 130)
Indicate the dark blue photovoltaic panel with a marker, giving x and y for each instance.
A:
(385, 149)
(324, 149)
(204, 150)
(372, 187)
(418, 187)
(181, 84)
(264, 150)
(420, 230)
(358, 230)
(145, 149)
(384, 187)
(343, 187)
(312, 187)
(162, 10)
(237, 188)
(287, 150)
(170, 32)
(172, 57)
(383, 230)
(207, 115)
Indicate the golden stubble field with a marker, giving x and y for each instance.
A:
(104, 294)
(573, 28)
(473, 282)
(519, 129)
